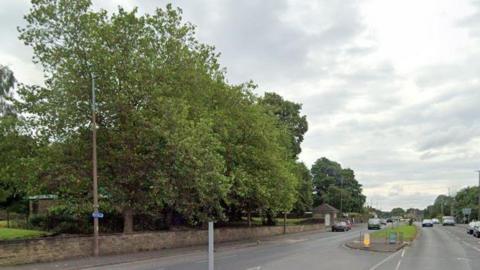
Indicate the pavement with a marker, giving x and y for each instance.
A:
(438, 248)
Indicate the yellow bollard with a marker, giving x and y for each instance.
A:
(366, 239)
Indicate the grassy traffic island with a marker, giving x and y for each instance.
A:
(408, 232)
(379, 239)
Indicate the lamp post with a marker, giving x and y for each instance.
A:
(94, 171)
(478, 217)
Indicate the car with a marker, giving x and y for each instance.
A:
(349, 224)
(374, 223)
(470, 227)
(448, 221)
(383, 221)
(389, 220)
(427, 223)
(340, 227)
(435, 221)
(476, 229)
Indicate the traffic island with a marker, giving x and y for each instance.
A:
(386, 240)
(377, 247)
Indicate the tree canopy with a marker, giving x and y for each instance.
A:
(173, 136)
(336, 186)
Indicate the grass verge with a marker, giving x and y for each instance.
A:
(11, 234)
(409, 232)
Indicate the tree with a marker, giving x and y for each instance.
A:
(397, 212)
(154, 149)
(467, 198)
(289, 115)
(7, 83)
(336, 186)
(173, 136)
(305, 188)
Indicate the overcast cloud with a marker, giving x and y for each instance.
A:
(390, 88)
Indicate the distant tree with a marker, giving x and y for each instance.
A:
(467, 198)
(397, 212)
(336, 186)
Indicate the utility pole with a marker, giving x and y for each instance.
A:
(94, 171)
(478, 217)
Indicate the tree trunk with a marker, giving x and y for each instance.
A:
(127, 220)
(249, 217)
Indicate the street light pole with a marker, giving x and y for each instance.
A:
(94, 171)
(478, 217)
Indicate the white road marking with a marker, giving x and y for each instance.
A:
(217, 258)
(474, 247)
(403, 252)
(384, 261)
(254, 268)
(398, 264)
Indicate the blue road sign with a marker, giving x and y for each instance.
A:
(97, 215)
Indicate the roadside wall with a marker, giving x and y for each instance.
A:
(57, 248)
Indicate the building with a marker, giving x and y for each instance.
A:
(39, 204)
(325, 212)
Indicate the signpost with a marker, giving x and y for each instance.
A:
(97, 215)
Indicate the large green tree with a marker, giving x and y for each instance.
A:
(336, 186)
(172, 134)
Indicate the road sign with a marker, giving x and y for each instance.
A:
(467, 211)
(366, 239)
(392, 238)
(97, 215)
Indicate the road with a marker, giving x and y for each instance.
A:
(438, 248)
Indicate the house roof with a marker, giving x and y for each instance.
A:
(325, 208)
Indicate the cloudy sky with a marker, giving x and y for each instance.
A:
(390, 88)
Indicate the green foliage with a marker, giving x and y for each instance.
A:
(336, 186)
(289, 115)
(16, 168)
(397, 212)
(7, 83)
(467, 198)
(173, 136)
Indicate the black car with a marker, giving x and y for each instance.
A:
(340, 227)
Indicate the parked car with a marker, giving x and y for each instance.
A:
(374, 223)
(476, 229)
(427, 223)
(383, 221)
(448, 221)
(470, 227)
(389, 220)
(435, 221)
(340, 227)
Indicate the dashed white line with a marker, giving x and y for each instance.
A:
(398, 264)
(254, 268)
(384, 261)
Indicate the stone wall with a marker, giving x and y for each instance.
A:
(58, 248)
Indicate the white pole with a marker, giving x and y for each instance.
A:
(210, 245)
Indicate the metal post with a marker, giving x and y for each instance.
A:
(478, 218)
(94, 171)
(210, 246)
(284, 222)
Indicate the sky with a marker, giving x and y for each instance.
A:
(391, 89)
